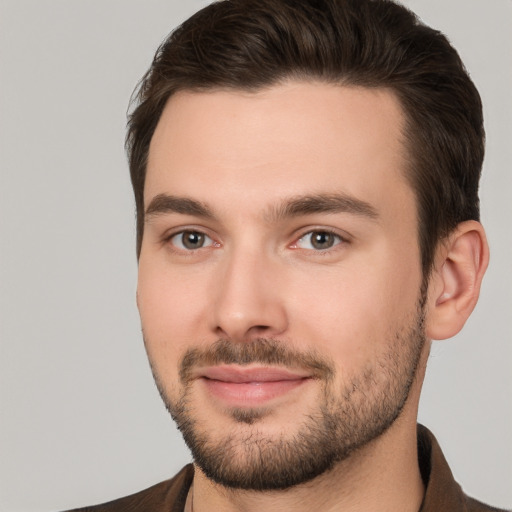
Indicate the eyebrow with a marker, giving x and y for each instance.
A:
(164, 204)
(322, 203)
(293, 207)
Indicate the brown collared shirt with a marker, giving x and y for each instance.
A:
(442, 494)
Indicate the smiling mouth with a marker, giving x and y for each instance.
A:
(249, 387)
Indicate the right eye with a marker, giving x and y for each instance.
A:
(190, 240)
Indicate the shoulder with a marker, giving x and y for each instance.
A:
(473, 505)
(442, 492)
(167, 496)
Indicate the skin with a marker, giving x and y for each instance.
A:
(244, 156)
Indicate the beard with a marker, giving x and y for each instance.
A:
(345, 418)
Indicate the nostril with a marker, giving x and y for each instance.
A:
(243, 335)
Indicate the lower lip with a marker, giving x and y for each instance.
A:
(250, 394)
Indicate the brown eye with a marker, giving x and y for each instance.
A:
(191, 240)
(319, 240)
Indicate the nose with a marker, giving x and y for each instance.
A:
(250, 298)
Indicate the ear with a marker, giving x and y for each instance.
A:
(454, 285)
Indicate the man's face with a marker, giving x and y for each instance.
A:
(279, 279)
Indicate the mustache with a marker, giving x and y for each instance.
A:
(266, 351)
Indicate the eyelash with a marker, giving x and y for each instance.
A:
(168, 239)
(339, 240)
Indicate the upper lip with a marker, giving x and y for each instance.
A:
(239, 374)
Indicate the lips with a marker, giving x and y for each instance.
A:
(249, 387)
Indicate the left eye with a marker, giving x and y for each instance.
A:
(318, 240)
(191, 240)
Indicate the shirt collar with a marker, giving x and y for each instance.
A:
(442, 492)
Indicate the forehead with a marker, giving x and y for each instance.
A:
(292, 139)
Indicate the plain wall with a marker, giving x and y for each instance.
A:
(80, 419)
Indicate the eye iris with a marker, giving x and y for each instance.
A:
(192, 240)
(322, 240)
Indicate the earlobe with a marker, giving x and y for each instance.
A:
(454, 286)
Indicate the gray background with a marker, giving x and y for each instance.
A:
(81, 421)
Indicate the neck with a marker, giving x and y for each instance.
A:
(383, 476)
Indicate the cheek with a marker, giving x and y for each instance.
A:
(339, 317)
(351, 314)
(167, 296)
(169, 309)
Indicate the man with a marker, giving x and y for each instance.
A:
(306, 177)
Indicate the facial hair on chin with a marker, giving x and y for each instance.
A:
(342, 421)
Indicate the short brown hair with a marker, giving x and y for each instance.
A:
(251, 44)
